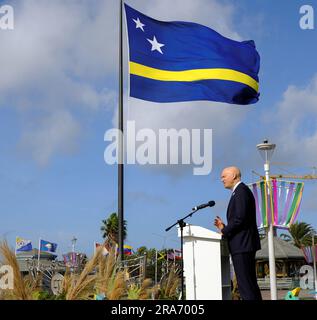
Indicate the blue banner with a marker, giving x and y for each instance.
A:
(184, 61)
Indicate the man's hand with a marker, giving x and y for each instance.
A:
(218, 223)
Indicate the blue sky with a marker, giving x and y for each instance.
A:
(58, 96)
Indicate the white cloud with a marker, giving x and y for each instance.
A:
(55, 38)
(53, 133)
(211, 13)
(63, 56)
(295, 124)
(54, 64)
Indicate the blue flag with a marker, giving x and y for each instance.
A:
(184, 61)
(22, 244)
(47, 246)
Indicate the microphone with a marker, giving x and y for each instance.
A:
(202, 206)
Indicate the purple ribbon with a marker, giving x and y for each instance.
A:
(288, 201)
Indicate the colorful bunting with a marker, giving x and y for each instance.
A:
(309, 254)
(279, 203)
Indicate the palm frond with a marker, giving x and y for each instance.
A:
(301, 233)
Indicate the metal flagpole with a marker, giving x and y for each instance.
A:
(155, 266)
(120, 142)
(15, 249)
(38, 256)
(314, 261)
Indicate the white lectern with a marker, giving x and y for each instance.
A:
(206, 264)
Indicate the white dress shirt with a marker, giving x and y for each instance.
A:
(235, 186)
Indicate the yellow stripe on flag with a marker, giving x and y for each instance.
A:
(193, 75)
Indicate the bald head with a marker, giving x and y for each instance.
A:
(230, 176)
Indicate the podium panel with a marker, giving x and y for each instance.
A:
(206, 264)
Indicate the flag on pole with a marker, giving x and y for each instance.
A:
(185, 61)
(67, 259)
(177, 254)
(127, 250)
(174, 255)
(310, 253)
(162, 256)
(22, 244)
(170, 255)
(47, 246)
(71, 259)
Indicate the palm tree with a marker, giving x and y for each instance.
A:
(110, 228)
(142, 250)
(300, 234)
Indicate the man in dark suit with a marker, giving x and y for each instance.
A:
(241, 233)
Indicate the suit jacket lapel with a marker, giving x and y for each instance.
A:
(231, 199)
(229, 205)
(235, 191)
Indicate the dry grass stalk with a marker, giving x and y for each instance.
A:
(22, 288)
(119, 289)
(67, 283)
(155, 292)
(6, 295)
(107, 266)
(168, 288)
(81, 287)
(110, 281)
(146, 290)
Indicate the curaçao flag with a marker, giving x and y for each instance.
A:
(47, 246)
(184, 61)
(22, 244)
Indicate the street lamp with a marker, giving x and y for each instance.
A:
(73, 243)
(266, 150)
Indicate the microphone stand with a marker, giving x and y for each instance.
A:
(182, 224)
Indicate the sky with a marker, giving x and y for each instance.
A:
(59, 95)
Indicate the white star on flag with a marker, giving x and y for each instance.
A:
(139, 24)
(156, 45)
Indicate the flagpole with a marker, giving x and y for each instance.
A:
(38, 256)
(15, 249)
(314, 264)
(120, 143)
(155, 266)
